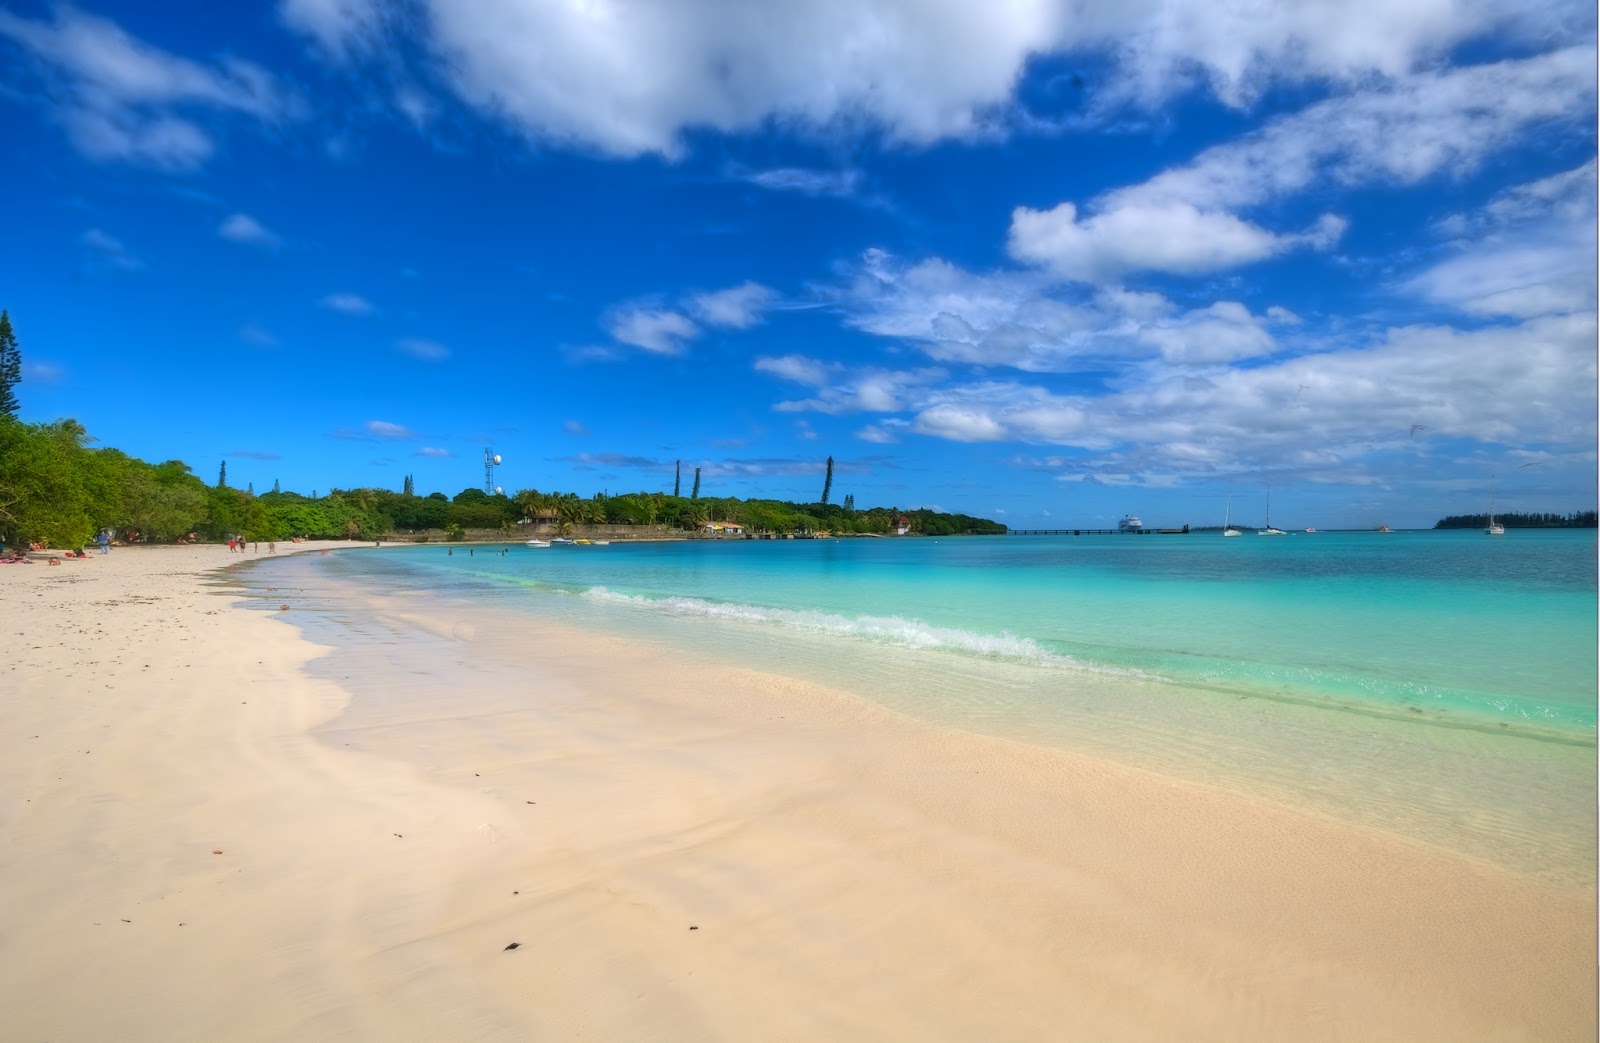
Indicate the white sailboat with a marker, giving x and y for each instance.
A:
(1269, 530)
(1227, 520)
(1495, 528)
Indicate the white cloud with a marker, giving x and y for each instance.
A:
(250, 333)
(348, 304)
(1183, 220)
(868, 390)
(1223, 332)
(425, 350)
(628, 77)
(573, 427)
(654, 329)
(798, 368)
(837, 183)
(1528, 252)
(242, 228)
(111, 250)
(340, 27)
(122, 99)
(434, 451)
(384, 429)
(41, 372)
(738, 307)
(1174, 238)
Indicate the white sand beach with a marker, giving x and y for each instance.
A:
(202, 841)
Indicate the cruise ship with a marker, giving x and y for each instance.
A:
(1130, 523)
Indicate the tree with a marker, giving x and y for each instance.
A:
(222, 476)
(275, 486)
(10, 367)
(250, 487)
(410, 487)
(827, 483)
(695, 495)
(677, 478)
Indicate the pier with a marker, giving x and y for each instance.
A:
(1098, 532)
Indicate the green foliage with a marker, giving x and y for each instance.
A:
(10, 368)
(827, 483)
(453, 532)
(1574, 520)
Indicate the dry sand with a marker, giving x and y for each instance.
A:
(200, 840)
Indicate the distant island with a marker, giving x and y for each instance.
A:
(56, 489)
(1575, 520)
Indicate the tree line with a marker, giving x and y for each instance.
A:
(1517, 520)
(56, 488)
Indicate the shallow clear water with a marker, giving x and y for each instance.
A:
(1495, 630)
(1441, 686)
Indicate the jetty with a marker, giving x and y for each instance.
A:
(1099, 532)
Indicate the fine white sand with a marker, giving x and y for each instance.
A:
(201, 840)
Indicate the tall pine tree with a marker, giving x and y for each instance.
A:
(695, 495)
(222, 476)
(827, 483)
(10, 367)
(677, 479)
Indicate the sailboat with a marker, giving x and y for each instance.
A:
(1227, 520)
(1269, 530)
(1495, 528)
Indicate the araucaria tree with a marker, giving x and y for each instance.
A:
(677, 478)
(222, 476)
(827, 483)
(695, 495)
(409, 488)
(10, 367)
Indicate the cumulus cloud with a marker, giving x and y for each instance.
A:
(384, 429)
(738, 307)
(434, 451)
(658, 330)
(631, 77)
(425, 350)
(573, 427)
(1174, 238)
(122, 99)
(348, 304)
(1185, 220)
(242, 228)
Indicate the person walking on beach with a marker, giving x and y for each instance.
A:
(104, 539)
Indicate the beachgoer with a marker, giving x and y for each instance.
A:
(233, 544)
(104, 539)
(272, 546)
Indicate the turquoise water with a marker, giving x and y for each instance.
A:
(1437, 685)
(1490, 630)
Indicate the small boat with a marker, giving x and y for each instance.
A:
(1227, 520)
(1495, 528)
(1130, 523)
(560, 541)
(538, 543)
(1269, 530)
(1384, 528)
(580, 542)
(1311, 528)
(602, 543)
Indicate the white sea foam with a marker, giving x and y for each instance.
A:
(897, 631)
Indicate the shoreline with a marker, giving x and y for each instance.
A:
(848, 872)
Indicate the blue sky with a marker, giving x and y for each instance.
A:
(1044, 262)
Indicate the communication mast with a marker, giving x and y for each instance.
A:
(491, 460)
